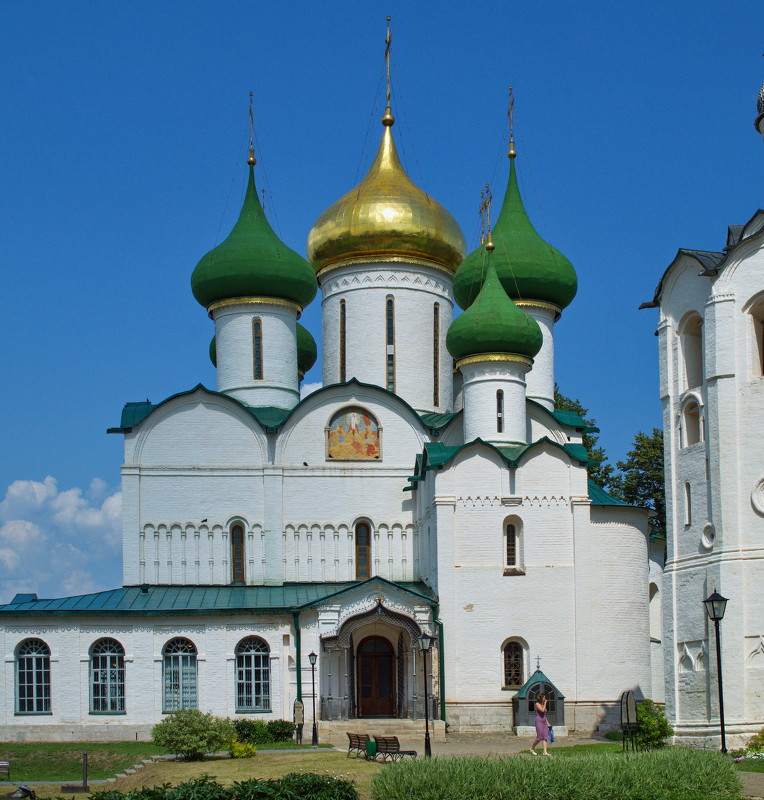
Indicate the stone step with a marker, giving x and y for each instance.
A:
(407, 730)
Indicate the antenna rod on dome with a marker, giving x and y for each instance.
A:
(251, 160)
(511, 114)
(388, 119)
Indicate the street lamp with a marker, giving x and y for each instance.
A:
(313, 658)
(715, 607)
(424, 643)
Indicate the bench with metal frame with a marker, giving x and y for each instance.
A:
(5, 768)
(389, 749)
(357, 744)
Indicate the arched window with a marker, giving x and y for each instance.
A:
(237, 553)
(691, 423)
(436, 355)
(499, 411)
(514, 665)
(343, 338)
(33, 677)
(362, 551)
(257, 348)
(253, 675)
(757, 320)
(691, 338)
(390, 340)
(513, 546)
(107, 677)
(179, 675)
(687, 504)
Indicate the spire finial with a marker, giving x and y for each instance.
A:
(251, 160)
(486, 198)
(511, 114)
(388, 119)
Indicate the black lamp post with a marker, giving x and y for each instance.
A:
(715, 607)
(312, 658)
(424, 643)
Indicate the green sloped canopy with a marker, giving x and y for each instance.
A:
(529, 268)
(493, 324)
(253, 262)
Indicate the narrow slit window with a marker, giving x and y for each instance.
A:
(436, 355)
(500, 411)
(513, 664)
(362, 551)
(390, 349)
(257, 348)
(237, 554)
(687, 504)
(511, 546)
(343, 361)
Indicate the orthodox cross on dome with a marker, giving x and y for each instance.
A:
(251, 160)
(388, 119)
(379, 598)
(486, 198)
(511, 114)
(538, 662)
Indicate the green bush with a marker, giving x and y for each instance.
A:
(308, 786)
(191, 734)
(654, 728)
(673, 773)
(237, 749)
(756, 743)
(280, 730)
(254, 731)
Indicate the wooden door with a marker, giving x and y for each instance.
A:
(376, 678)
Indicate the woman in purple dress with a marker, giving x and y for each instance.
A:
(542, 726)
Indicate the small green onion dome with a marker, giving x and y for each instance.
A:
(214, 352)
(307, 352)
(529, 268)
(493, 324)
(253, 262)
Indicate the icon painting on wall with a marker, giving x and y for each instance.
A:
(353, 434)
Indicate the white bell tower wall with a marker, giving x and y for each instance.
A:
(540, 380)
(408, 357)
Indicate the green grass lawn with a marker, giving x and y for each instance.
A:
(751, 765)
(62, 761)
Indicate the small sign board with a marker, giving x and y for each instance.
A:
(299, 713)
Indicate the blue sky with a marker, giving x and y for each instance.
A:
(123, 163)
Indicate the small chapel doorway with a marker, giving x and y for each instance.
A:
(376, 677)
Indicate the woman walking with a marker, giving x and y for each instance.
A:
(542, 725)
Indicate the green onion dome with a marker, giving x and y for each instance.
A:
(214, 352)
(493, 324)
(529, 268)
(307, 352)
(253, 262)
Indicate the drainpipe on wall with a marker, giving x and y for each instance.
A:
(298, 652)
(435, 608)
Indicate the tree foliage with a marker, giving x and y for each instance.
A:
(641, 481)
(191, 734)
(600, 471)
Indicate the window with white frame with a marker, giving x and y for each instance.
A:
(179, 664)
(513, 546)
(514, 664)
(253, 675)
(107, 677)
(687, 504)
(691, 338)
(33, 677)
(691, 423)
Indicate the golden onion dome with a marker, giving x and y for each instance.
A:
(386, 217)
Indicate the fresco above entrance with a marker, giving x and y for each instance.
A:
(353, 435)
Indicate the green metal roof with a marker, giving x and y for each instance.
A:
(149, 600)
(537, 677)
(439, 454)
(600, 497)
(270, 417)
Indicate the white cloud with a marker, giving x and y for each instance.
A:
(309, 388)
(59, 542)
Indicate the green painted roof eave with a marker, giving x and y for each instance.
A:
(537, 677)
(600, 497)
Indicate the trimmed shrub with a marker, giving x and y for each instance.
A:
(756, 743)
(308, 786)
(674, 773)
(254, 731)
(654, 728)
(237, 749)
(280, 730)
(191, 734)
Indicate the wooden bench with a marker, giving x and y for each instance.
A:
(5, 768)
(357, 744)
(389, 749)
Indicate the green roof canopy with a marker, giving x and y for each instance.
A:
(529, 268)
(253, 262)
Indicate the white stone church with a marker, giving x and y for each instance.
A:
(429, 487)
(711, 343)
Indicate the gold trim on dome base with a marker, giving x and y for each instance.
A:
(540, 304)
(510, 357)
(243, 301)
(385, 258)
